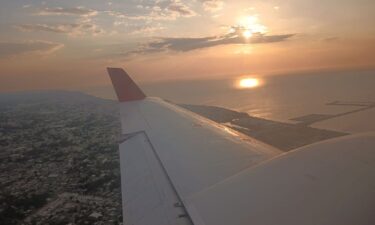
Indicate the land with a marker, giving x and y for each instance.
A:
(59, 161)
(59, 158)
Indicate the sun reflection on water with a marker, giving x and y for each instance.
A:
(248, 82)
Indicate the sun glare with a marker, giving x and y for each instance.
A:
(248, 82)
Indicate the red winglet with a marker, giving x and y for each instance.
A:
(125, 87)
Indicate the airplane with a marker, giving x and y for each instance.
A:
(178, 168)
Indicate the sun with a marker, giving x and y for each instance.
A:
(248, 82)
(247, 34)
(250, 26)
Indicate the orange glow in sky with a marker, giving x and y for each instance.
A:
(66, 45)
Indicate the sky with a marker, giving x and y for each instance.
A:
(68, 44)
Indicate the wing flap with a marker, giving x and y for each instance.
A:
(148, 195)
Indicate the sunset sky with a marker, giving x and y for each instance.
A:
(68, 44)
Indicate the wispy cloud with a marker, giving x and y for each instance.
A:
(331, 39)
(212, 5)
(83, 23)
(180, 9)
(75, 11)
(160, 11)
(63, 28)
(146, 29)
(8, 49)
(146, 20)
(74, 29)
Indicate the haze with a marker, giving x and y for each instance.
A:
(68, 44)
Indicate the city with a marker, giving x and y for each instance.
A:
(59, 161)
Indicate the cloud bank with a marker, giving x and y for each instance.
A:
(185, 44)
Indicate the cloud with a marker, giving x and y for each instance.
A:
(185, 44)
(83, 22)
(331, 39)
(8, 49)
(123, 16)
(76, 11)
(212, 5)
(180, 9)
(188, 44)
(74, 29)
(63, 28)
(146, 29)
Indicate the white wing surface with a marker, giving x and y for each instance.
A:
(180, 168)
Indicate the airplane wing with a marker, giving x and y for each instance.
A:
(180, 168)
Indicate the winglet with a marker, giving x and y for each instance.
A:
(125, 87)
